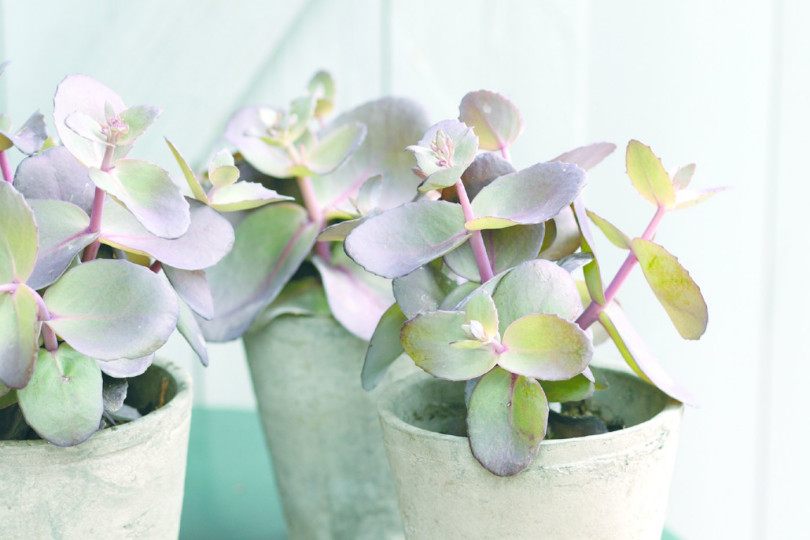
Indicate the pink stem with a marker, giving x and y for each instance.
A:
(505, 153)
(49, 337)
(91, 251)
(315, 214)
(6, 167)
(156, 267)
(477, 239)
(593, 310)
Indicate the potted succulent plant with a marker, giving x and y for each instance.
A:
(482, 264)
(306, 310)
(101, 259)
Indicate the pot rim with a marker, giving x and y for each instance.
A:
(109, 439)
(554, 452)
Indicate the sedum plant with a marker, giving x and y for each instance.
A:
(483, 262)
(102, 257)
(334, 174)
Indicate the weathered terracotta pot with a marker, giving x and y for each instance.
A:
(124, 482)
(322, 430)
(610, 486)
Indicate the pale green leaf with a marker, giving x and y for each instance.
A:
(648, 175)
(591, 271)
(683, 176)
(383, 348)
(691, 197)
(444, 153)
(244, 131)
(138, 119)
(480, 308)
(674, 288)
(586, 157)
(222, 171)
(19, 332)
(421, 290)
(335, 148)
(616, 237)
(573, 389)
(242, 196)
(63, 401)
(190, 330)
(193, 183)
(18, 236)
(495, 119)
(506, 422)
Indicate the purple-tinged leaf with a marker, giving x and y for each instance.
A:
(357, 298)
(420, 291)
(638, 356)
(506, 249)
(586, 157)
(591, 271)
(545, 347)
(149, 193)
(529, 196)
(192, 180)
(339, 231)
(482, 171)
(691, 197)
(333, 149)
(506, 422)
(536, 286)
(562, 236)
(243, 196)
(63, 401)
(137, 119)
(270, 245)
(63, 233)
(190, 329)
(674, 288)
(495, 119)
(573, 389)
(18, 236)
(55, 174)
(402, 239)
(611, 232)
(19, 332)
(110, 309)
(648, 175)
(682, 177)
(384, 347)
(392, 124)
(444, 153)
(244, 131)
(208, 239)
(85, 95)
(126, 367)
(428, 339)
(29, 138)
(192, 287)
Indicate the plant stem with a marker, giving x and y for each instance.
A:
(505, 153)
(6, 167)
(49, 338)
(91, 251)
(593, 310)
(156, 267)
(315, 214)
(477, 239)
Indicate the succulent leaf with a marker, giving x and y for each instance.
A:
(444, 153)
(384, 347)
(18, 236)
(19, 334)
(648, 175)
(55, 174)
(495, 119)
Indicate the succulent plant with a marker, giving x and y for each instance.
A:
(102, 257)
(482, 261)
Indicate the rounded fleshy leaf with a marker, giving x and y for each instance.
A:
(562, 236)
(444, 153)
(420, 291)
(269, 247)
(243, 196)
(529, 196)
(591, 270)
(495, 119)
(149, 193)
(244, 131)
(80, 96)
(30, 137)
(536, 286)
(55, 174)
(18, 236)
(506, 249)
(392, 124)
(322, 86)
(616, 237)
(335, 148)
(545, 347)
(683, 176)
(208, 239)
(190, 329)
(384, 347)
(191, 179)
(648, 175)
(221, 171)
(192, 287)
(674, 288)
(63, 233)
(339, 231)
(110, 309)
(573, 389)
(127, 367)
(137, 119)
(586, 157)
(481, 309)
(19, 332)
(429, 340)
(506, 422)
(357, 298)
(402, 239)
(482, 171)
(63, 401)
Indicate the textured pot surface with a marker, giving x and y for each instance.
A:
(610, 486)
(322, 430)
(123, 482)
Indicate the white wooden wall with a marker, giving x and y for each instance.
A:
(725, 84)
